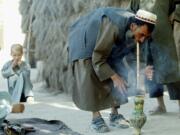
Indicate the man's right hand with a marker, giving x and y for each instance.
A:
(119, 83)
(149, 72)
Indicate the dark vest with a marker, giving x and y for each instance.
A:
(83, 33)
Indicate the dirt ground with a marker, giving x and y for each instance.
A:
(52, 105)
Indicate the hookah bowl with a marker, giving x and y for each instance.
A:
(138, 117)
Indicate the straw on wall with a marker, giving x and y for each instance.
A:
(51, 19)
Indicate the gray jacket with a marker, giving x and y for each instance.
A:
(18, 80)
(83, 33)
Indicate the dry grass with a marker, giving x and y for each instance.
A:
(51, 19)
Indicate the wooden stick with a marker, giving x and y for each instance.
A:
(138, 65)
(29, 39)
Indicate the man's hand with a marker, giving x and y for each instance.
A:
(119, 83)
(149, 72)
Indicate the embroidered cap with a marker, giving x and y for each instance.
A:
(146, 16)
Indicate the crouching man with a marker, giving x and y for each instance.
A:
(97, 44)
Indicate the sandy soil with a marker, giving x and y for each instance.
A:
(53, 105)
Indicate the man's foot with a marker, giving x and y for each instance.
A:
(18, 108)
(98, 125)
(30, 100)
(158, 111)
(118, 121)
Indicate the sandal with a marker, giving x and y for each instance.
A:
(118, 121)
(157, 111)
(98, 125)
(30, 99)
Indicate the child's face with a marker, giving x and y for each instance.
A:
(16, 55)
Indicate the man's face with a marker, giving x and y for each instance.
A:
(140, 32)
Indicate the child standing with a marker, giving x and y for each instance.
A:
(17, 73)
